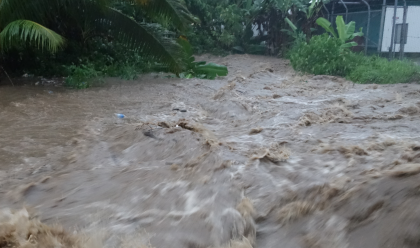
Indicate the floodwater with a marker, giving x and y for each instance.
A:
(264, 157)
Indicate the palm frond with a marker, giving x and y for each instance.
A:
(174, 10)
(149, 39)
(29, 31)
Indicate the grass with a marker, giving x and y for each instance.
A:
(381, 71)
(323, 55)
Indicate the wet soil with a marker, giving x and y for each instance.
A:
(264, 157)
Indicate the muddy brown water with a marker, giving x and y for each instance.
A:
(264, 157)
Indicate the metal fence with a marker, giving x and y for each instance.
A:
(393, 31)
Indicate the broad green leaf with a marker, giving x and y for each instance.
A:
(341, 28)
(349, 44)
(311, 9)
(211, 70)
(350, 28)
(360, 33)
(292, 26)
(326, 25)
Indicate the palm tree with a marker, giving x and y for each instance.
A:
(47, 24)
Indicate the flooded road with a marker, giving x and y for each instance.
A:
(264, 157)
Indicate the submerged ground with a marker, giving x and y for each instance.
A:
(262, 158)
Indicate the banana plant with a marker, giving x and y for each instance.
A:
(297, 35)
(303, 31)
(313, 9)
(345, 32)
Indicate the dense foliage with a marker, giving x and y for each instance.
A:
(251, 26)
(86, 39)
(95, 38)
(47, 24)
(330, 55)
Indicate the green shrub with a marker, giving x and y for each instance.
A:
(345, 32)
(323, 55)
(381, 71)
(81, 76)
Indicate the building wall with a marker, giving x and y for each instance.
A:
(413, 36)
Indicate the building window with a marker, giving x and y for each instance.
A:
(401, 37)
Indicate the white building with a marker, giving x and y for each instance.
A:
(412, 26)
